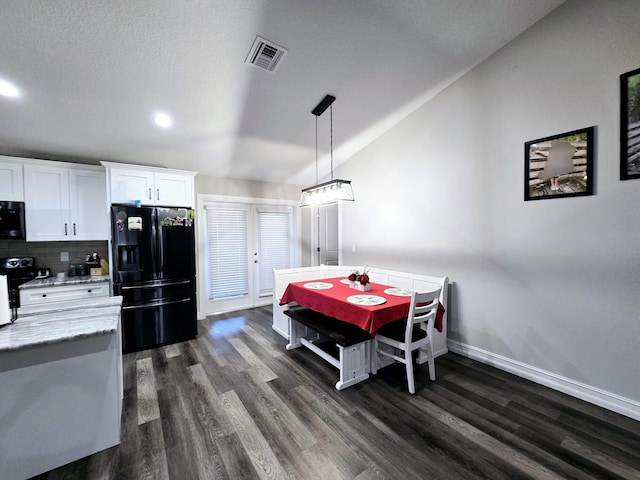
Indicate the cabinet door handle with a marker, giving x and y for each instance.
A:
(89, 291)
(74, 229)
(44, 294)
(158, 193)
(65, 229)
(149, 194)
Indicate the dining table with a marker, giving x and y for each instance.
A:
(370, 310)
(337, 299)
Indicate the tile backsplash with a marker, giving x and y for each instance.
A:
(47, 254)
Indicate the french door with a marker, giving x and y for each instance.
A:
(243, 244)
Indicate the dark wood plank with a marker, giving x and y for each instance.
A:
(236, 461)
(234, 403)
(152, 457)
(178, 441)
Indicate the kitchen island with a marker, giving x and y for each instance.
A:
(61, 384)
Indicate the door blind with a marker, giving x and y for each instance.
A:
(227, 246)
(274, 247)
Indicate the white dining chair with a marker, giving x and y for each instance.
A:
(406, 336)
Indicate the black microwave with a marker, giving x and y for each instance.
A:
(12, 220)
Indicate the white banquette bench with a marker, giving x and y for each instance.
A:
(352, 369)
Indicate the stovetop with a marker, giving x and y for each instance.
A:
(18, 270)
(17, 263)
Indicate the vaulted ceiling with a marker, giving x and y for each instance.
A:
(91, 74)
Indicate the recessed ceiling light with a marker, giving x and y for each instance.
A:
(7, 89)
(162, 120)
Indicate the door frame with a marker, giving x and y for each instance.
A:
(253, 299)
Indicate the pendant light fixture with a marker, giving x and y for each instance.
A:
(335, 190)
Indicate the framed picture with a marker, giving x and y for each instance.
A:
(630, 125)
(559, 166)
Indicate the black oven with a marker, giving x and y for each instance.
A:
(12, 220)
(18, 270)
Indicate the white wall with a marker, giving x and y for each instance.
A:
(232, 187)
(549, 288)
(245, 188)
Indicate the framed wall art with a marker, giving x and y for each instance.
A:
(559, 166)
(630, 125)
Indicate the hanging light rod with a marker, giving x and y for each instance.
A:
(323, 105)
(333, 191)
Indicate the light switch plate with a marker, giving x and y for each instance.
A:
(64, 256)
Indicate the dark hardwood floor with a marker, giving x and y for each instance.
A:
(234, 404)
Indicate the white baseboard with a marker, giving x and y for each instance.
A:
(601, 398)
(442, 351)
(277, 330)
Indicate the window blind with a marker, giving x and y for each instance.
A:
(274, 247)
(227, 247)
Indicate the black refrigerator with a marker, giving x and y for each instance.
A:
(153, 259)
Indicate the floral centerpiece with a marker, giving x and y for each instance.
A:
(360, 281)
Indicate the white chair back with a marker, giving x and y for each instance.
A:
(423, 309)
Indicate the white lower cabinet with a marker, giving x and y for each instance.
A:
(61, 293)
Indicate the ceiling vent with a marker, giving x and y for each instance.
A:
(265, 54)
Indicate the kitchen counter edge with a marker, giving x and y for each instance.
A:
(57, 282)
(53, 323)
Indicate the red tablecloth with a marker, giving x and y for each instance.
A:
(333, 302)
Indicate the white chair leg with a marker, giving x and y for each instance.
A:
(409, 363)
(374, 356)
(432, 368)
(432, 364)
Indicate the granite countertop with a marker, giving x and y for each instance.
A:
(56, 282)
(47, 324)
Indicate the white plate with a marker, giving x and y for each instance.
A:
(318, 285)
(346, 281)
(366, 299)
(398, 292)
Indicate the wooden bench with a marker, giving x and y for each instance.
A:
(343, 345)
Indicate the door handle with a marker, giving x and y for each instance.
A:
(65, 229)
(149, 194)
(74, 229)
(168, 284)
(157, 194)
(157, 303)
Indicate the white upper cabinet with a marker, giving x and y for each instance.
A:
(11, 183)
(149, 185)
(46, 191)
(129, 186)
(88, 208)
(173, 189)
(65, 203)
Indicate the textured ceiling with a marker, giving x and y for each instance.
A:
(91, 74)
